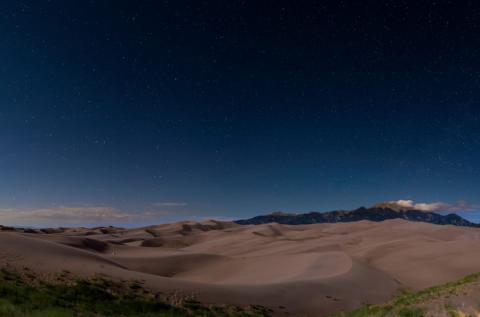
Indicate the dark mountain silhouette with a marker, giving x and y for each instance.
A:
(372, 214)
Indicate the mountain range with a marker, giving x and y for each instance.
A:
(376, 213)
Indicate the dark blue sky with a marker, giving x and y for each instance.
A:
(235, 108)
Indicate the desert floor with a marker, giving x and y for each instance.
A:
(307, 270)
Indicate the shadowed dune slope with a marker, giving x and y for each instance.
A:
(305, 269)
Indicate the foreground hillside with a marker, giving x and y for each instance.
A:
(23, 294)
(307, 270)
(456, 299)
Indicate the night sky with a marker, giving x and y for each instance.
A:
(152, 111)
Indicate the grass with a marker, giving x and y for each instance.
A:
(98, 297)
(25, 295)
(407, 304)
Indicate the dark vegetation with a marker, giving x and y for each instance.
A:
(22, 294)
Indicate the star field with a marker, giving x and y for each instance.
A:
(238, 108)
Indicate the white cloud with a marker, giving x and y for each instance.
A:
(436, 206)
(72, 214)
(403, 203)
(431, 207)
(170, 204)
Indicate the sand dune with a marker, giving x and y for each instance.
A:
(297, 270)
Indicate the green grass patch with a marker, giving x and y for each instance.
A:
(99, 297)
(406, 305)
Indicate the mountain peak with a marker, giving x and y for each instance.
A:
(280, 213)
(391, 205)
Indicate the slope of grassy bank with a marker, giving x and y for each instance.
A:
(24, 295)
(460, 298)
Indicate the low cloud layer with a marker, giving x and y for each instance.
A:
(73, 214)
(433, 207)
(169, 204)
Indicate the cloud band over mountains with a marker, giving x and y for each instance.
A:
(432, 207)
